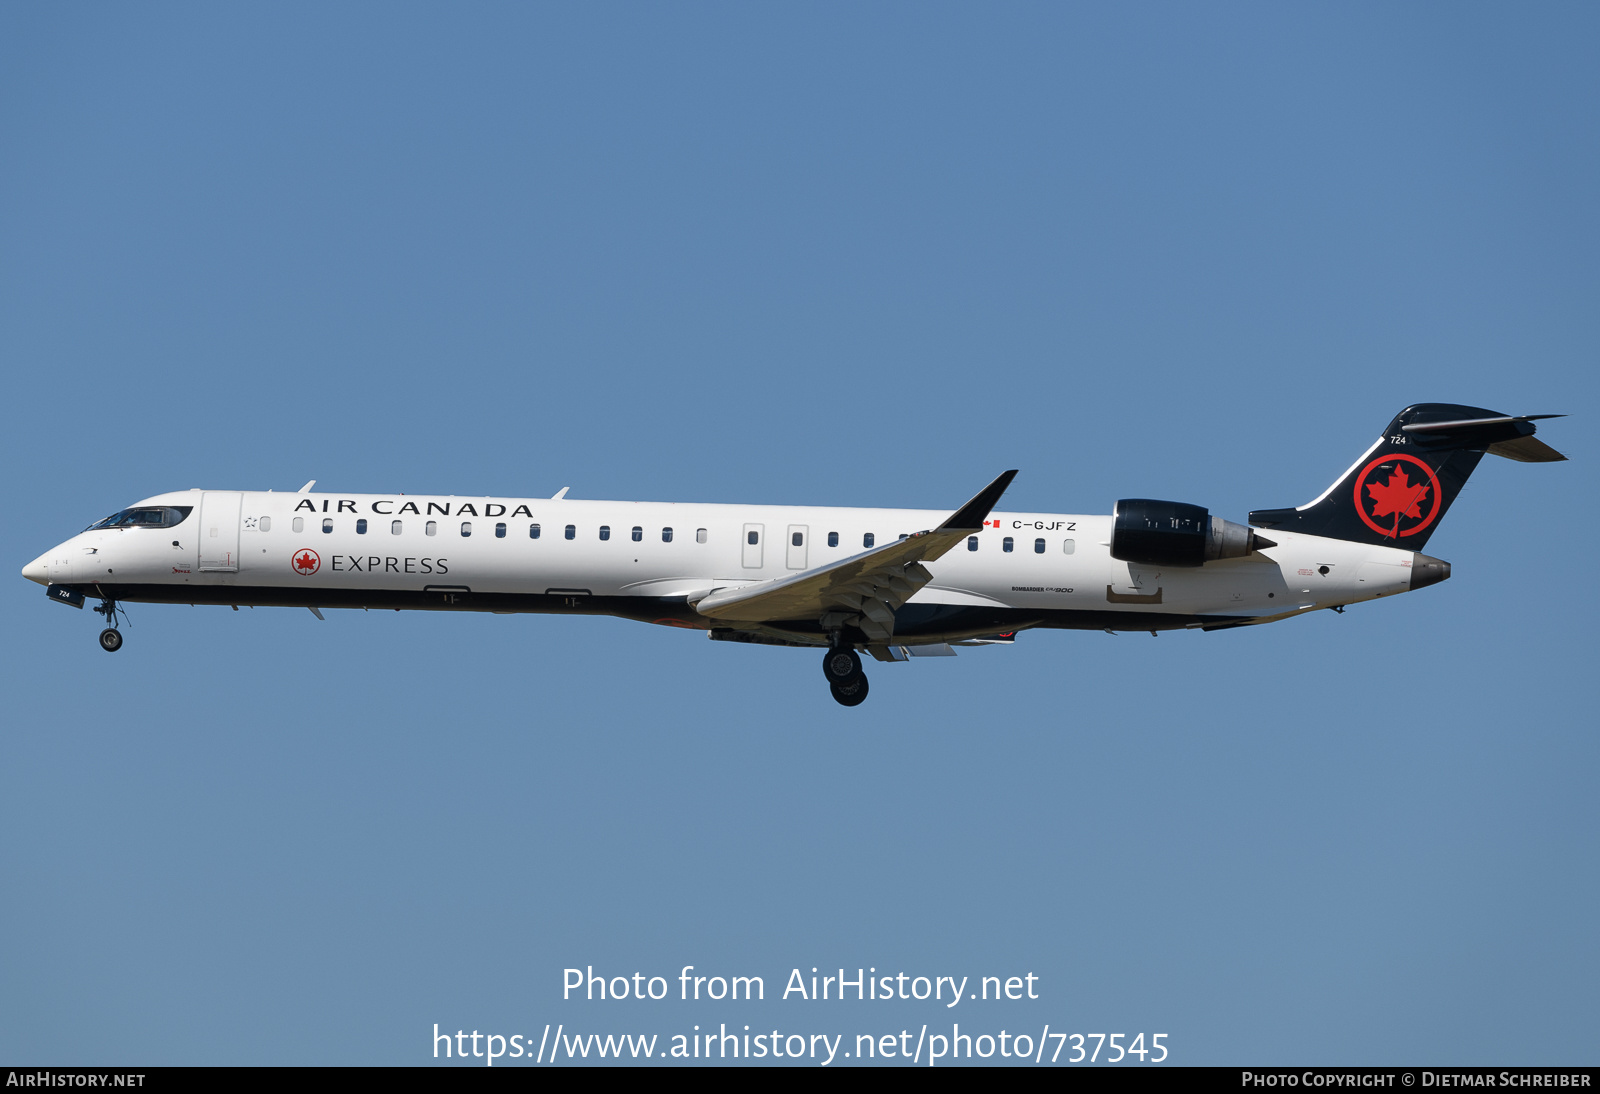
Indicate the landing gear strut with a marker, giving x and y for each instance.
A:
(110, 638)
(842, 666)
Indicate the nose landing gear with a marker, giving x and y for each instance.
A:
(842, 667)
(111, 637)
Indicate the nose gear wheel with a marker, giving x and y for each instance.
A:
(110, 638)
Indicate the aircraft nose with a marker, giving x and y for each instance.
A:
(1426, 570)
(38, 570)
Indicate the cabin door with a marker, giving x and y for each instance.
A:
(795, 549)
(752, 545)
(219, 530)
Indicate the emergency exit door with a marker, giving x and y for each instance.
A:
(795, 549)
(219, 530)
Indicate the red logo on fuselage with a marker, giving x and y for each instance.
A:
(1397, 495)
(306, 562)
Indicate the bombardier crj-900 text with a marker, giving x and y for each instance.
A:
(893, 582)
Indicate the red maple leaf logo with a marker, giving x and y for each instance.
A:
(307, 562)
(1398, 496)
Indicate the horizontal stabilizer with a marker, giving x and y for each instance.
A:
(1503, 432)
(1505, 435)
(1474, 423)
(1526, 450)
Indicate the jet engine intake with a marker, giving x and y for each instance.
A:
(1174, 533)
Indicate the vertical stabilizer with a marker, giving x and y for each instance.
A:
(1399, 490)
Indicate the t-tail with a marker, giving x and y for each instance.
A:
(1396, 494)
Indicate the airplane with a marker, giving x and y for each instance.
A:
(895, 583)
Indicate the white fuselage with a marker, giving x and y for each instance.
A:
(649, 560)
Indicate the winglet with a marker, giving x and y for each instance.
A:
(970, 517)
(306, 489)
(559, 494)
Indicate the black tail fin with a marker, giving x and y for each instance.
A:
(1398, 491)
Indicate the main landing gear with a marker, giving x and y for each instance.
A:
(110, 638)
(848, 683)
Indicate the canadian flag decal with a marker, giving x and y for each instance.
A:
(991, 524)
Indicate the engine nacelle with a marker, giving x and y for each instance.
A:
(1174, 533)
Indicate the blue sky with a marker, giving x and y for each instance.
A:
(821, 254)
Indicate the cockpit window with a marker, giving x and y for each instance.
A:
(145, 516)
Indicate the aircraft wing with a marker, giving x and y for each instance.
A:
(863, 589)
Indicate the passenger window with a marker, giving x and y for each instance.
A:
(1067, 547)
(753, 538)
(431, 528)
(466, 528)
(666, 535)
(361, 527)
(972, 543)
(572, 531)
(1038, 546)
(638, 533)
(833, 539)
(605, 531)
(1007, 545)
(699, 535)
(500, 532)
(327, 524)
(868, 540)
(533, 531)
(394, 527)
(298, 524)
(798, 539)
(266, 524)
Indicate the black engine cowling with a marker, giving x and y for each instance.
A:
(1174, 533)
